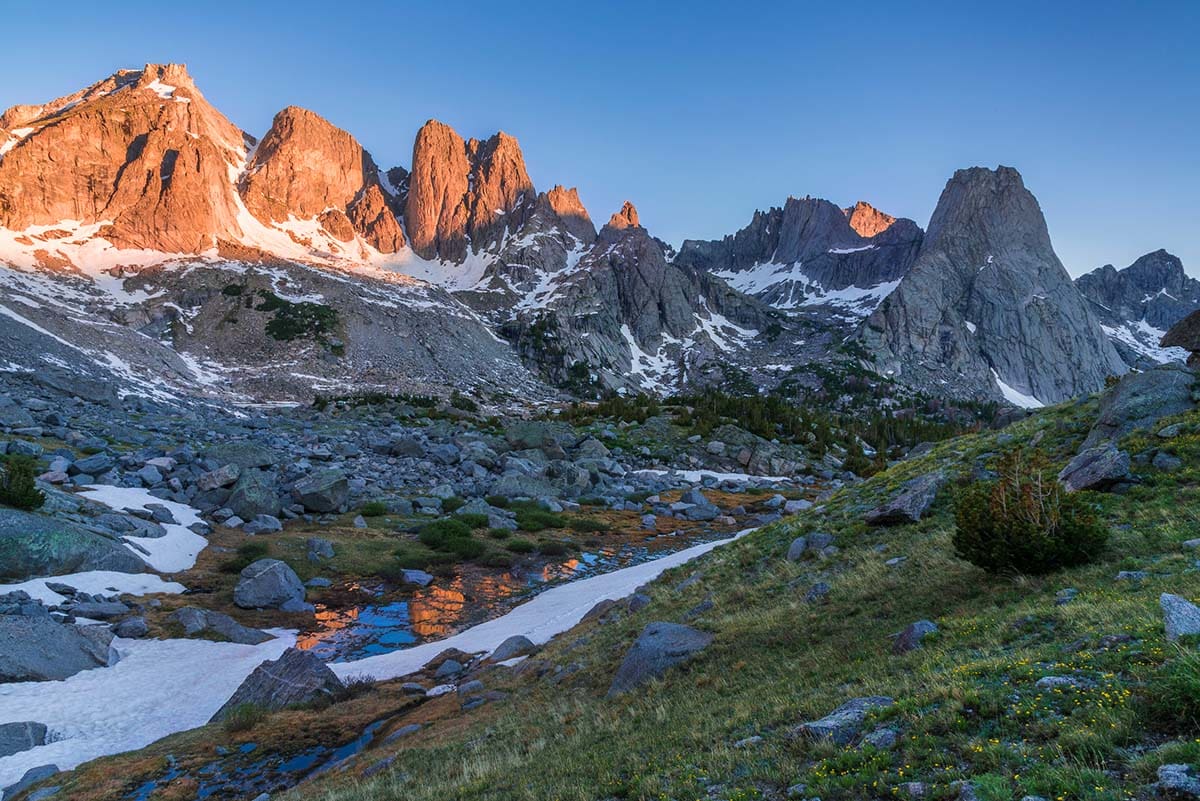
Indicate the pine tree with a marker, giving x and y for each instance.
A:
(18, 486)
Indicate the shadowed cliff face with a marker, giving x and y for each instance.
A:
(809, 252)
(987, 297)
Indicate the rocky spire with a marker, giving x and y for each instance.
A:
(988, 303)
(570, 210)
(464, 193)
(627, 217)
(307, 168)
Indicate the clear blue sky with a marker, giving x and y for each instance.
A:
(701, 112)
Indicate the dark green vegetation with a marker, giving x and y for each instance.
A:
(969, 706)
(302, 320)
(18, 483)
(1024, 521)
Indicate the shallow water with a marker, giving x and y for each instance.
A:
(464, 599)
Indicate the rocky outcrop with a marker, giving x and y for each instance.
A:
(462, 195)
(633, 318)
(38, 545)
(843, 724)
(296, 677)
(1138, 304)
(309, 169)
(148, 155)
(42, 649)
(1185, 334)
(910, 503)
(660, 647)
(205, 622)
(1139, 400)
(809, 252)
(987, 304)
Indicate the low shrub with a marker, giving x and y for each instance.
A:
(499, 533)
(244, 717)
(499, 501)
(452, 504)
(373, 509)
(247, 553)
(451, 536)
(1024, 521)
(538, 520)
(518, 545)
(474, 520)
(496, 559)
(586, 525)
(552, 548)
(18, 483)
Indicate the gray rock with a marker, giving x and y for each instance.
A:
(1098, 468)
(243, 454)
(296, 677)
(514, 646)
(132, 628)
(793, 507)
(1166, 462)
(1178, 782)
(254, 494)
(324, 491)
(842, 725)
(42, 649)
(1139, 401)
(269, 584)
(319, 548)
(224, 476)
(797, 549)
(418, 577)
(910, 639)
(38, 545)
(263, 524)
(658, 648)
(448, 669)
(884, 738)
(94, 465)
(195, 621)
(910, 503)
(28, 779)
(17, 737)
(1181, 617)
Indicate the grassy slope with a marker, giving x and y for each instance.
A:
(967, 706)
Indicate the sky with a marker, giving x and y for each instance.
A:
(702, 112)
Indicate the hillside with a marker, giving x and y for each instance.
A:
(1062, 686)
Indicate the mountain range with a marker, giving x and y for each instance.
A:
(146, 239)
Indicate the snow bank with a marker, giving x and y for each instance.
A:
(550, 613)
(158, 688)
(93, 582)
(1016, 396)
(169, 554)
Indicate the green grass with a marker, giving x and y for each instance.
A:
(968, 707)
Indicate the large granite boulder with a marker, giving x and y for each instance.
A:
(1139, 400)
(1100, 468)
(322, 491)
(17, 737)
(42, 649)
(198, 622)
(245, 455)
(910, 503)
(253, 495)
(658, 648)
(270, 584)
(296, 677)
(37, 545)
(1186, 334)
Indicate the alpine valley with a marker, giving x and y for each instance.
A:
(328, 479)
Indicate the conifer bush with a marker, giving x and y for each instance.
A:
(1024, 521)
(18, 484)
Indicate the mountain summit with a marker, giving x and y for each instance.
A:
(987, 302)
